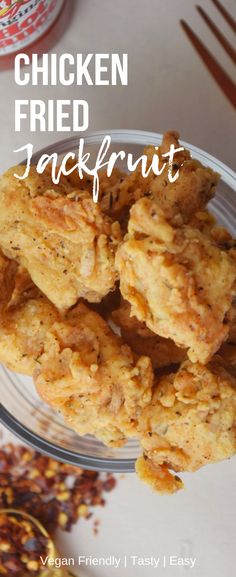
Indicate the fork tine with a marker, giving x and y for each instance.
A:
(225, 14)
(218, 73)
(218, 34)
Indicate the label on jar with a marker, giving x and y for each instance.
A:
(22, 22)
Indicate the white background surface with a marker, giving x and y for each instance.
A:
(168, 88)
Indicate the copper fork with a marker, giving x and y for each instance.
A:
(223, 80)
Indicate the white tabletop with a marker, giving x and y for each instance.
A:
(169, 87)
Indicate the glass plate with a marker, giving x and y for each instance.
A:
(22, 411)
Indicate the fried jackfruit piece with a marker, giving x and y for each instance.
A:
(22, 332)
(177, 281)
(190, 422)
(25, 317)
(189, 194)
(60, 236)
(194, 187)
(92, 378)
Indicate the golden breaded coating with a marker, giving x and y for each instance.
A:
(190, 422)
(158, 477)
(92, 378)
(122, 317)
(227, 351)
(119, 191)
(180, 200)
(23, 288)
(113, 195)
(8, 271)
(23, 330)
(24, 319)
(61, 238)
(177, 281)
(137, 186)
(171, 137)
(26, 315)
(162, 352)
(190, 193)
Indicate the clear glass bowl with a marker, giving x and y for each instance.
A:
(22, 411)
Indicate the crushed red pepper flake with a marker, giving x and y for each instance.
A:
(21, 545)
(58, 494)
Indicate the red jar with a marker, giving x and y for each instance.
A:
(29, 26)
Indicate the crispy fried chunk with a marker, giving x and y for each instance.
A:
(177, 281)
(92, 378)
(190, 422)
(60, 236)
